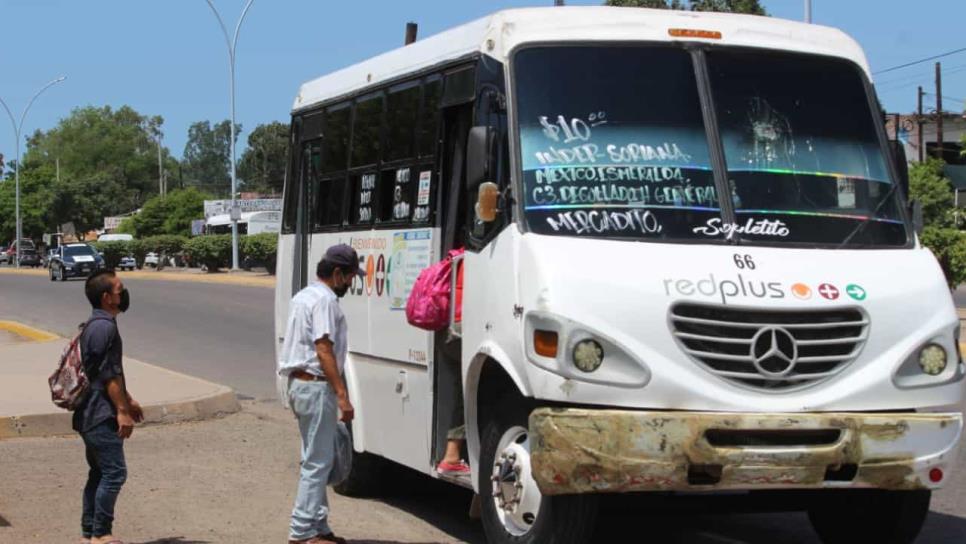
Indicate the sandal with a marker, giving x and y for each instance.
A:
(332, 538)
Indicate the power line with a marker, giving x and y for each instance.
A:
(920, 61)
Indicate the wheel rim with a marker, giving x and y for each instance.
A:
(516, 497)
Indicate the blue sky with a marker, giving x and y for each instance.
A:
(168, 57)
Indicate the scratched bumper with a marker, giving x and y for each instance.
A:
(613, 451)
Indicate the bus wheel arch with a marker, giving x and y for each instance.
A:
(487, 379)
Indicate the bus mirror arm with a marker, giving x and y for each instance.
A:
(915, 212)
(478, 153)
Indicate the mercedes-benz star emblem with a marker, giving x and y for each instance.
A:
(774, 352)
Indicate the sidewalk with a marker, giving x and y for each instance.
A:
(241, 277)
(28, 356)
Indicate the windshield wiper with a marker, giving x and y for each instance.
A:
(861, 226)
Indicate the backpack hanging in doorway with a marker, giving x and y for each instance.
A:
(428, 304)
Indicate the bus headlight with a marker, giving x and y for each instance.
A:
(932, 359)
(588, 355)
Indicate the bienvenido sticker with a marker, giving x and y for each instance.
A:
(759, 227)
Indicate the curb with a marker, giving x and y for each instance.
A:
(221, 402)
(30, 333)
(60, 424)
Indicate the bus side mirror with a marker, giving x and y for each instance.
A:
(478, 155)
(487, 202)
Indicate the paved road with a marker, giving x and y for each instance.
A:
(221, 333)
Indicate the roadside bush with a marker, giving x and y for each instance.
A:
(137, 249)
(949, 247)
(261, 248)
(113, 251)
(212, 251)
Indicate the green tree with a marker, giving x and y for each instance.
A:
(171, 214)
(101, 144)
(35, 198)
(85, 201)
(262, 165)
(933, 191)
(730, 6)
(207, 156)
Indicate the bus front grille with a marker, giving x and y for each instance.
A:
(770, 350)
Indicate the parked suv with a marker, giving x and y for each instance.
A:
(74, 260)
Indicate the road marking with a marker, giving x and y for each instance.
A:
(29, 333)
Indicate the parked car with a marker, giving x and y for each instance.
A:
(9, 255)
(127, 263)
(3, 253)
(151, 259)
(74, 260)
(30, 257)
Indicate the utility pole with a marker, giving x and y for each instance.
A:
(232, 42)
(919, 123)
(558, 2)
(160, 167)
(939, 110)
(808, 11)
(57, 162)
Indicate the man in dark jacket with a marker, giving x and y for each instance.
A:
(108, 415)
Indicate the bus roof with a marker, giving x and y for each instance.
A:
(498, 34)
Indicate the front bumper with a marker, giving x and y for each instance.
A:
(613, 451)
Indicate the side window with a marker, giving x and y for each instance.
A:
(366, 131)
(429, 117)
(424, 183)
(330, 201)
(330, 192)
(402, 109)
(290, 191)
(336, 135)
(396, 195)
(363, 198)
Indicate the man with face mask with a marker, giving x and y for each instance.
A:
(109, 413)
(313, 358)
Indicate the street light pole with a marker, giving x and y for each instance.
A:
(232, 42)
(808, 11)
(17, 130)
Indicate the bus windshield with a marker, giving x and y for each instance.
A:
(613, 144)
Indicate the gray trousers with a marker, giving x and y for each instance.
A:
(316, 409)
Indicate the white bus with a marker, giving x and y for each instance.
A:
(690, 267)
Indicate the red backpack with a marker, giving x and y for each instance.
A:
(69, 384)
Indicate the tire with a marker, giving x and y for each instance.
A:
(365, 477)
(883, 517)
(535, 519)
(60, 272)
(51, 273)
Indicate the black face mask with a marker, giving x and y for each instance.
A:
(125, 301)
(341, 291)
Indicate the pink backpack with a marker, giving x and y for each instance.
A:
(69, 384)
(428, 304)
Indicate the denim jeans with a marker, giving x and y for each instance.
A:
(316, 409)
(108, 471)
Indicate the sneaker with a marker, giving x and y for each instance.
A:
(459, 468)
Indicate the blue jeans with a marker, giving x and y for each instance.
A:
(316, 409)
(108, 471)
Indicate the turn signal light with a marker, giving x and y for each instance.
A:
(545, 343)
(694, 33)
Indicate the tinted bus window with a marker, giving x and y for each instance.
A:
(363, 198)
(336, 146)
(401, 113)
(330, 202)
(365, 131)
(429, 116)
(396, 194)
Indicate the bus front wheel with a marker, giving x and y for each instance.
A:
(513, 509)
(884, 517)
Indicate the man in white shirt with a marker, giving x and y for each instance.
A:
(313, 358)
